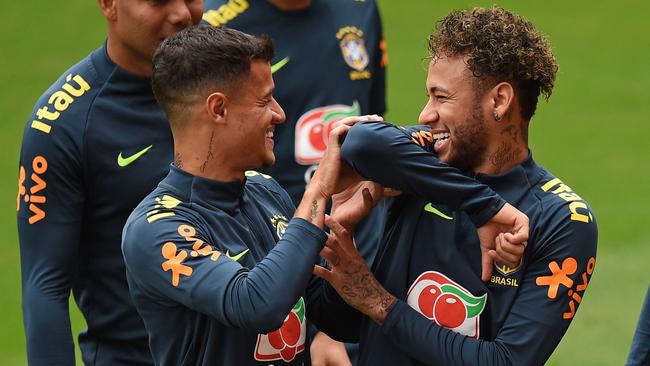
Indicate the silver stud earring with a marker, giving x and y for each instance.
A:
(496, 116)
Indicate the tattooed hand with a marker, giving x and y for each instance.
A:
(350, 276)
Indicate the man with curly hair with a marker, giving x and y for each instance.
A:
(425, 302)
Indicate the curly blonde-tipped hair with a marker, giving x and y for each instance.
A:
(499, 46)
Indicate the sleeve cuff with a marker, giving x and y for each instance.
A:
(301, 227)
(482, 216)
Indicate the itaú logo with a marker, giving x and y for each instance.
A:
(313, 130)
(447, 303)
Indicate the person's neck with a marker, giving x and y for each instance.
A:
(202, 153)
(289, 5)
(213, 166)
(508, 148)
(124, 58)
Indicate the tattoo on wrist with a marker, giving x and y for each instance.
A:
(314, 210)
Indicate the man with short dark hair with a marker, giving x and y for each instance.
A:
(426, 303)
(203, 265)
(330, 63)
(96, 143)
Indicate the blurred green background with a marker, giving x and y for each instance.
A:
(592, 133)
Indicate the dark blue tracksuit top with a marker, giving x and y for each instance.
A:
(430, 260)
(95, 144)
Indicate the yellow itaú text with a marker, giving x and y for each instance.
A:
(226, 12)
(577, 206)
(59, 101)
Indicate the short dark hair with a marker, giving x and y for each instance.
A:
(499, 46)
(200, 59)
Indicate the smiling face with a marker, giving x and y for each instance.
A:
(137, 27)
(455, 115)
(252, 115)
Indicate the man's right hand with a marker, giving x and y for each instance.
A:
(503, 239)
(328, 177)
(355, 202)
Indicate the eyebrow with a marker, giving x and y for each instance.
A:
(435, 89)
(269, 94)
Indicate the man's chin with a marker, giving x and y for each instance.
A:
(268, 162)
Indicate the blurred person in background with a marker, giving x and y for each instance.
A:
(95, 144)
(640, 348)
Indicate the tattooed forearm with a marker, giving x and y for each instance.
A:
(362, 291)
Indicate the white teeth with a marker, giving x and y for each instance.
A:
(441, 136)
(269, 134)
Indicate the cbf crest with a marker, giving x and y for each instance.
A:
(280, 224)
(353, 49)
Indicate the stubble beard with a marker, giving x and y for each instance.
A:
(470, 142)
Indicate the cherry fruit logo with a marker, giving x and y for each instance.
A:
(314, 127)
(287, 341)
(447, 303)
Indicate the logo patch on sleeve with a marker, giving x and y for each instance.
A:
(35, 196)
(280, 224)
(561, 281)
(447, 303)
(287, 341)
(164, 207)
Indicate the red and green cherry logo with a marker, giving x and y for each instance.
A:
(285, 342)
(446, 303)
(314, 127)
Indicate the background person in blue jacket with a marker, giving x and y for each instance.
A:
(640, 349)
(426, 302)
(95, 144)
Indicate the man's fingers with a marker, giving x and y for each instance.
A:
(506, 258)
(518, 237)
(350, 121)
(390, 192)
(336, 135)
(509, 253)
(336, 227)
(329, 255)
(322, 272)
(368, 200)
(487, 260)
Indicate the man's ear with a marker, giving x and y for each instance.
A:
(109, 9)
(216, 105)
(502, 97)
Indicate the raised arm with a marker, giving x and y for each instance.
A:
(388, 155)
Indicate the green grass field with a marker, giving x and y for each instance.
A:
(592, 134)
